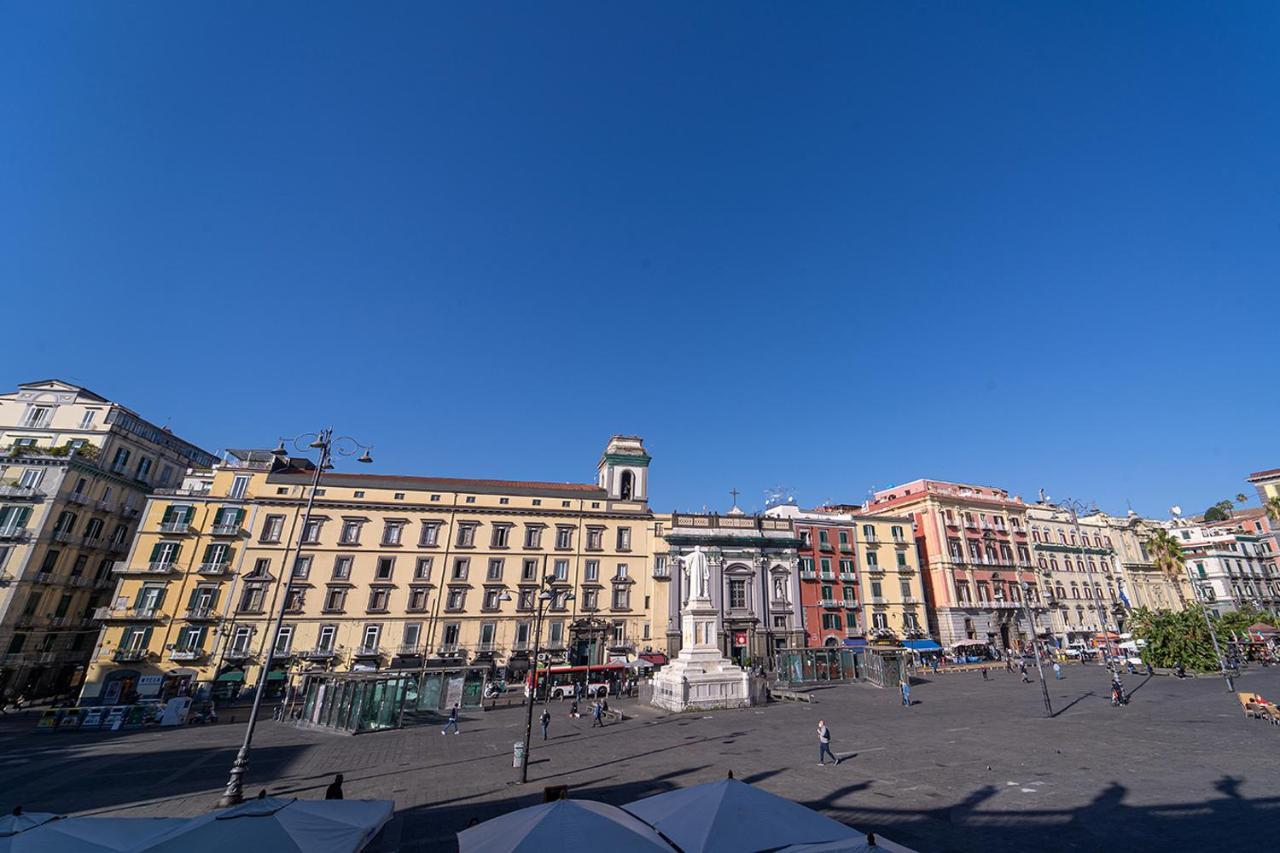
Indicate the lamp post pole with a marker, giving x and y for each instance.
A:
(1213, 638)
(323, 441)
(546, 595)
(1035, 645)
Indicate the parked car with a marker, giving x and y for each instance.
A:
(1079, 651)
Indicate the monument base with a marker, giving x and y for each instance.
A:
(696, 685)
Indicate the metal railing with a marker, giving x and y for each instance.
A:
(175, 527)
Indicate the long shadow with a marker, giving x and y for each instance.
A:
(1069, 705)
(1140, 686)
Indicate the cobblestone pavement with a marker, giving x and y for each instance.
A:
(972, 765)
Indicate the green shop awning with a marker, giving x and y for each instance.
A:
(231, 676)
(275, 675)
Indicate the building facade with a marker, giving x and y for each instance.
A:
(387, 572)
(1142, 583)
(1077, 563)
(1231, 564)
(830, 598)
(975, 554)
(75, 470)
(893, 600)
(754, 583)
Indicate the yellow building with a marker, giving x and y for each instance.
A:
(889, 572)
(75, 470)
(387, 572)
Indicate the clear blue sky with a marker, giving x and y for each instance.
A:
(831, 246)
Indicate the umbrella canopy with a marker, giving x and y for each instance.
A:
(89, 835)
(563, 825)
(851, 845)
(281, 825)
(12, 824)
(729, 816)
(1262, 628)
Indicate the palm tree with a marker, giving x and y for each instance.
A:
(1166, 553)
(1272, 506)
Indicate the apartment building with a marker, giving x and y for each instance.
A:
(830, 600)
(975, 554)
(1079, 573)
(387, 572)
(1141, 582)
(892, 585)
(1231, 564)
(75, 472)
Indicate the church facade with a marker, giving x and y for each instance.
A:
(753, 581)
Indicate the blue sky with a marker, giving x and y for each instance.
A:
(828, 246)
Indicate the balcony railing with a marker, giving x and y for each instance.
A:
(369, 652)
(201, 614)
(129, 511)
(227, 530)
(187, 654)
(237, 654)
(44, 577)
(808, 574)
(161, 567)
(103, 506)
(848, 576)
(175, 527)
(829, 602)
(405, 650)
(118, 547)
(15, 534)
(850, 604)
(20, 492)
(64, 536)
(129, 654)
(318, 654)
(77, 498)
(219, 568)
(127, 614)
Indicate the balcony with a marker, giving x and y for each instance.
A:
(44, 577)
(829, 602)
(103, 506)
(202, 614)
(405, 650)
(848, 576)
(94, 543)
(79, 498)
(176, 527)
(368, 652)
(65, 536)
(129, 511)
(14, 534)
(128, 614)
(161, 567)
(850, 604)
(808, 575)
(187, 654)
(20, 492)
(228, 530)
(118, 547)
(125, 655)
(487, 647)
(318, 654)
(873, 569)
(234, 654)
(214, 568)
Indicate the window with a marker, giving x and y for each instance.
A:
(241, 638)
(467, 534)
(825, 563)
(806, 537)
(294, 600)
(302, 567)
(533, 536)
(272, 528)
(619, 632)
(590, 599)
(261, 568)
(342, 567)
(827, 592)
(564, 538)
(120, 460)
(738, 593)
(38, 416)
(162, 554)
(492, 599)
(350, 534)
(471, 499)
(621, 598)
(896, 533)
(460, 568)
(457, 599)
(962, 592)
(850, 595)
(369, 640)
(429, 537)
(335, 600)
(449, 640)
(239, 487)
(86, 420)
(621, 573)
(422, 569)
(562, 570)
(595, 538)
(879, 621)
(529, 570)
(311, 531)
(522, 635)
(498, 537)
(824, 540)
(495, 569)
(378, 599)
(592, 571)
(525, 599)
(877, 592)
(906, 590)
(555, 634)
(624, 538)
(873, 562)
(386, 565)
(392, 532)
(144, 470)
(846, 567)
(844, 537)
(488, 630)
(251, 598)
(902, 560)
(417, 598)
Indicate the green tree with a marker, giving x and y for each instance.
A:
(1175, 637)
(1166, 553)
(1272, 506)
(1230, 626)
(1215, 513)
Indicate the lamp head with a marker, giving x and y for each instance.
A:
(318, 443)
(280, 449)
(365, 457)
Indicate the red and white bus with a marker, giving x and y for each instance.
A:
(557, 682)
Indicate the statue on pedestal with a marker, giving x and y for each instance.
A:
(697, 575)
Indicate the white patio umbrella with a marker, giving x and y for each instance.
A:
(279, 825)
(850, 845)
(730, 816)
(563, 825)
(89, 835)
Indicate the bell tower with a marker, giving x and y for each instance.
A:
(624, 469)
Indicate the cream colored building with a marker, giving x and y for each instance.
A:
(388, 572)
(1141, 583)
(889, 570)
(75, 470)
(1078, 567)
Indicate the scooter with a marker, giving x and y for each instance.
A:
(493, 689)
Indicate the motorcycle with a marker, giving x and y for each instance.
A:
(494, 689)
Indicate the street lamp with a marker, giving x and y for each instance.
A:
(1217, 652)
(1035, 645)
(328, 445)
(546, 597)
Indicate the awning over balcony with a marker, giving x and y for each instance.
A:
(233, 675)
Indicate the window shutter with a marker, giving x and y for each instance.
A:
(208, 553)
(159, 601)
(177, 552)
(168, 515)
(239, 521)
(146, 639)
(155, 552)
(193, 598)
(213, 599)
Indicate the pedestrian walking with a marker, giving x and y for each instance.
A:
(985, 676)
(1057, 671)
(597, 715)
(905, 686)
(545, 719)
(1022, 670)
(334, 791)
(453, 722)
(824, 744)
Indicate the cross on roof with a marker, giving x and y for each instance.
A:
(735, 493)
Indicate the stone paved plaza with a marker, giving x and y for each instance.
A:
(973, 766)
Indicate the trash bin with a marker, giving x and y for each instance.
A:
(517, 754)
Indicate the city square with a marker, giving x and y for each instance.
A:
(972, 765)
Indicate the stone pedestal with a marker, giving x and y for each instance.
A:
(700, 678)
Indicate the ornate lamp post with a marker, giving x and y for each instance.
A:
(546, 597)
(328, 445)
(1035, 644)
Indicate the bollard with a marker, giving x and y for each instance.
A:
(517, 754)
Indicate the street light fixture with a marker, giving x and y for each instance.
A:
(328, 445)
(546, 596)
(1035, 645)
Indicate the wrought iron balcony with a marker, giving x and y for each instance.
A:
(202, 614)
(187, 654)
(179, 527)
(77, 498)
(14, 534)
(129, 655)
(318, 654)
(228, 530)
(220, 568)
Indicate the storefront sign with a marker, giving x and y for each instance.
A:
(149, 685)
(740, 639)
